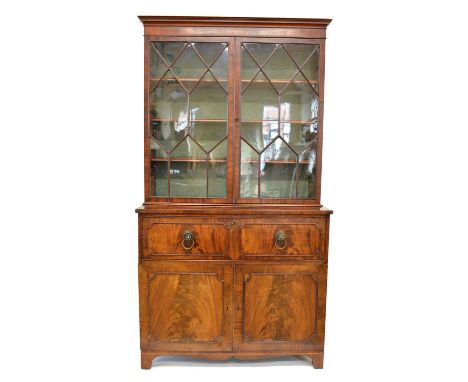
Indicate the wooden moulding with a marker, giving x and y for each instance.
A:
(147, 357)
(234, 26)
(264, 22)
(230, 209)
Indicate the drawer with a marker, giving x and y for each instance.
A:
(185, 238)
(305, 238)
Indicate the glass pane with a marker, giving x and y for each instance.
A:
(259, 101)
(249, 68)
(168, 100)
(280, 69)
(219, 152)
(307, 57)
(208, 134)
(299, 102)
(188, 149)
(259, 51)
(307, 173)
(217, 173)
(299, 135)
(209, 50)
(188, 67)
(162, 55)
(219, 68)
(159, 185)
(278, 181)
(168, 133)
(208, 100)
(278, 171)
(278, 151)
(156, 151)
(188, 179)
(248, 172)
(259, 134)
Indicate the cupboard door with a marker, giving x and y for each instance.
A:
(185, 306)
(280, 307)
(188, 112)
(280, 116)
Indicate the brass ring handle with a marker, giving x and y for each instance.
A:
(280, 240)
(188, 236)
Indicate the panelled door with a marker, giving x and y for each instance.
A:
(279, 307)
(185, 306)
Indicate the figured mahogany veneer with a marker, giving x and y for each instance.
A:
(228, 276)
(162, 238)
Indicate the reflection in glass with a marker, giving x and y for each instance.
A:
(217, 174)
(188, 66)
(259, 51)
(299, 135)
(162, 55)
(159, 184)
(259, 134)
(219, 68)
(248, 172)
(278, 180)
(168, 100)
(208, 134)
(219, 152)
(188, 126)
(168, 133)
(209, 51)
(208, 100)
(307, 58)
(278, 150)
(259, 101)
(277, 171)
(279, 114)
(188, 149)
(280, 69)
(307, 173)
(156, 151)
(249, 69)
(188, 179)
(299, 102)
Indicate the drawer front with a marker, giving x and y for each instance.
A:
(285, 238)
(185, 238)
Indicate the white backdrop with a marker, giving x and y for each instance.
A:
(395, 172)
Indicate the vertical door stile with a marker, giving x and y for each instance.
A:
(236, 124)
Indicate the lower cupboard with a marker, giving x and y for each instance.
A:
(222, 310)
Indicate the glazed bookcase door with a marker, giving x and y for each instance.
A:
(279, 307)
(189, 108)
(279, 115)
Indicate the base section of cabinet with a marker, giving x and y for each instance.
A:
(148, 357)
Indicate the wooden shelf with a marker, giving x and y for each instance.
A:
(281, 81)
(276, 121)
(276, 161)
(193, 160)
(187, 79)
(197, 120)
